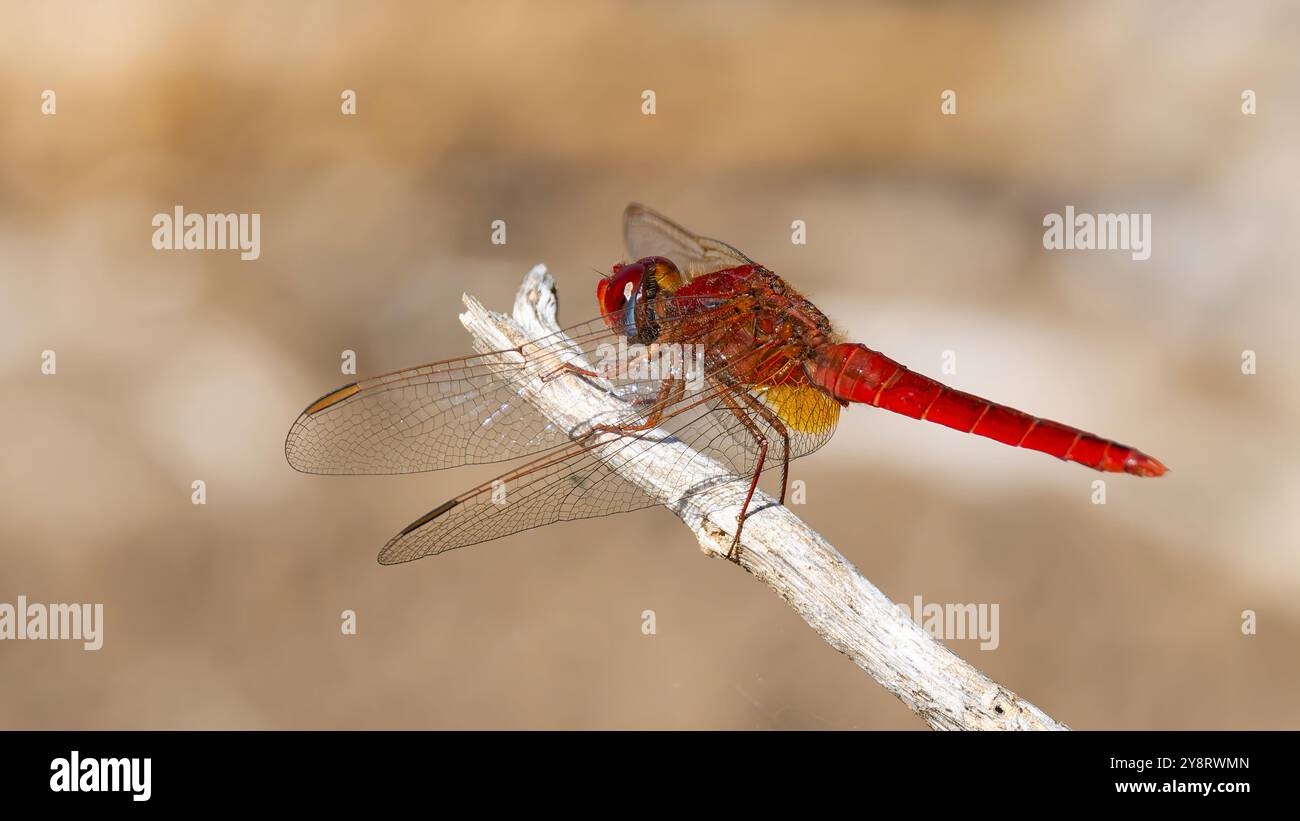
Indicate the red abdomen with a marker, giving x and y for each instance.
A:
(855, 373)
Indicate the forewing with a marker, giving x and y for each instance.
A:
(468, 410)
(443, 414)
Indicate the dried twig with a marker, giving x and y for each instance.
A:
(777, 548)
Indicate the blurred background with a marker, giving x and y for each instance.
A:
(924, 235)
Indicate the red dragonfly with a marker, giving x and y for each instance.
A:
(770, 376)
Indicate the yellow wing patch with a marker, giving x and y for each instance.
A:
(802, 407)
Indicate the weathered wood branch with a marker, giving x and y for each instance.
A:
(823, 587)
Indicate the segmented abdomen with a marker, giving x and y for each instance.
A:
(855, 373)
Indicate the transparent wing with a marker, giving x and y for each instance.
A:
(433, 416)
(467, 410)
(573, 482)
(648, 233)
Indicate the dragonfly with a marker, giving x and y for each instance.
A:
(755, 377)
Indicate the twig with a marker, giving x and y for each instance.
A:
(777, 548)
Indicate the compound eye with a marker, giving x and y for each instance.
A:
(616, 291)
(666, 274)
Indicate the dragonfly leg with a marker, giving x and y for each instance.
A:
(775, 421)
(670, 390)
(733, 553)
(587, 376)
(569, 367)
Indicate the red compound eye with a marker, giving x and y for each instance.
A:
(612, 292)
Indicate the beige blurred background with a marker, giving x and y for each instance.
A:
(924, 235)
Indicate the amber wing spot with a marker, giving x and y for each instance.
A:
(332, 398)
(802, 407)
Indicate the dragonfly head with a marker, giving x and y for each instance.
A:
(618, 294)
